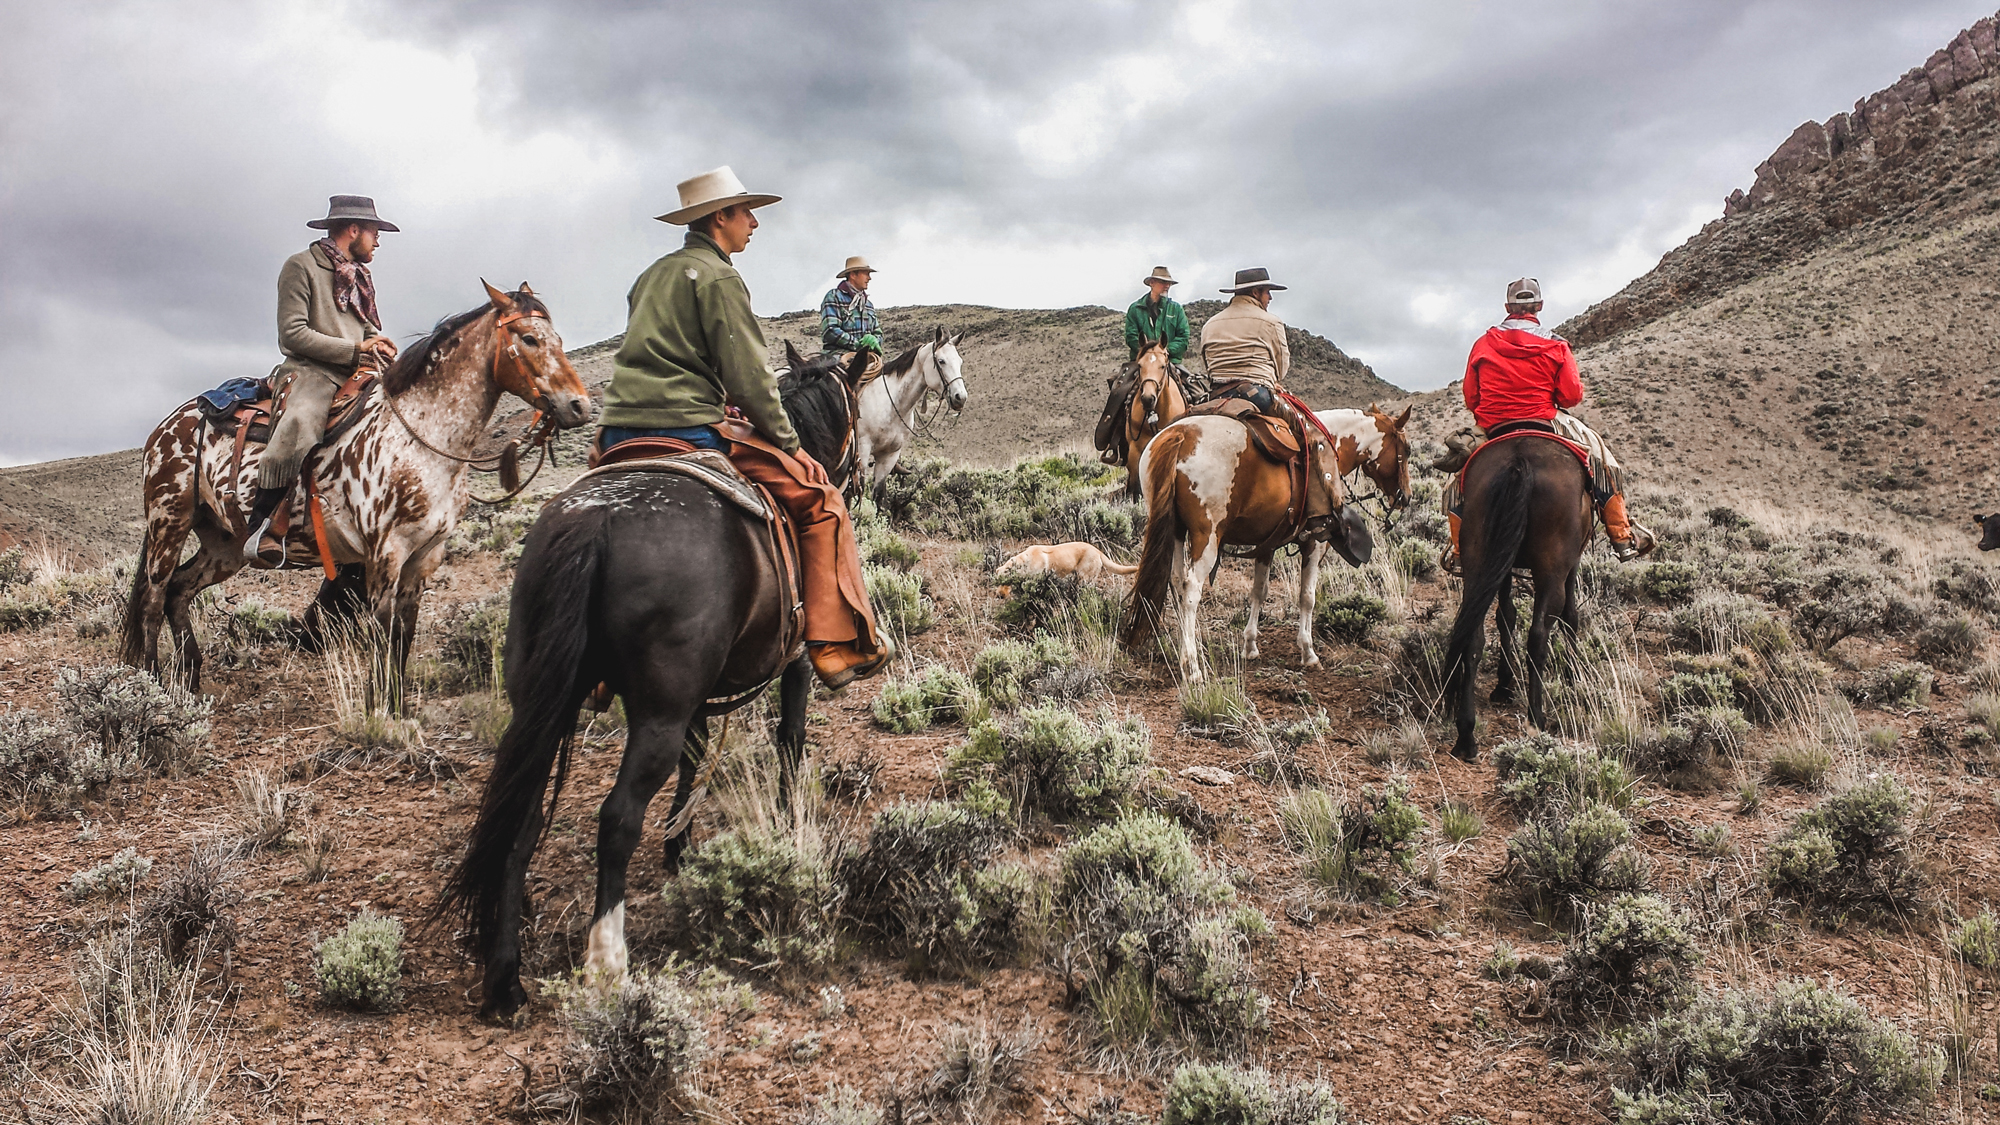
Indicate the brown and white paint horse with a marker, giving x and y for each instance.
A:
(1208, 487)
(1373, 442)
(391, 487)
(1156, 403)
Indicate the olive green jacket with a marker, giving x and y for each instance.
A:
(314, 333)
(692, 345)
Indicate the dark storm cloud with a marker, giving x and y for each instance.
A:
(1394, 165)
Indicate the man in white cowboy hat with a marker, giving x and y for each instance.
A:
(847, 320)
(327, 325)
(693, 348)
(1154, 316)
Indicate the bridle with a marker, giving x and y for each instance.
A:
(536, 434)
(923, 375)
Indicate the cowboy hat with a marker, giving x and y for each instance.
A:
(856, 264)
(1160, 274)
(711, 192)
(351, 209)
(1247, 280)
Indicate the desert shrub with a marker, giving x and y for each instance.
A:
(1418, 650)
(1949, 642)
(45, 765)
(14, 568)
(269, 812)
(1007, 673)
(1539, 773)
(631, 1044)
(118, 875)
(1459, 822)
(1052, 499)
(1977, 941)
(878, 543)
(125, 708)
(1803, 763)
(976, 1065)
(1964, 584)
(1684, 691)
(1840, 614)
(1348, 618)
(936, 695)
(1849, 851)
(1415, 559)
(1632, 958)
(1894, 684)
(1503, 963)
(1565, 857)
(28, 611)
(1137, 912)
(1221, 1094)
(1050, 761)
(843, 1105)
(189, 913)
(473, 637)
(1405, 746)
(1717, 841)
(1218, 708)
(1348, 843)
(922, 886)
(899, 601)
(1691, 741)
(758, 897)
(1297, 734)
(1670, 583)
(1716, 622)
(1800, 1056)
(144, 1046)
(1052, 602)
(361, 967)
(251, 622)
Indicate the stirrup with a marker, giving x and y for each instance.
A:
(1626, 550)
(1448, 561)
(255, 549)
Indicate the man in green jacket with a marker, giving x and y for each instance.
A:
(1154, 316)
(693, 348)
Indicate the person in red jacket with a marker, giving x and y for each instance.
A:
(1521, 375)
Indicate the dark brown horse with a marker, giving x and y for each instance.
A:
(1527, 505)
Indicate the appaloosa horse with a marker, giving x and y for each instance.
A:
(391, 487)
(1208, 487)
(652, 584)
(1527, 504)
(1156, 403)
(1373, 442)
(890, 405)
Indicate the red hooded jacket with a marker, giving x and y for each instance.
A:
(1518, 371)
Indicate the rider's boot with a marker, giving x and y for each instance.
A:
(1322, 491)
(1448, 561)
(1628, 540)
(841, 663)
(261, 546)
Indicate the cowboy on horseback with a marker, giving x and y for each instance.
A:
(847, 320)
(327, 326)
(1154, 318)
(1522, 376)
(1247, 356)
(693, 349)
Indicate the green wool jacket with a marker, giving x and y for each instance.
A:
(692, 345)
(1169, 320)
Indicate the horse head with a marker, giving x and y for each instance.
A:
(1991, 525)
(1152, 363)
(528, 359)
(1351, 537)
(1390, 467)
(943, 375)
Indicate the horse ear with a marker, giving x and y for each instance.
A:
(1404, 419)
(857, 366)
(939, 337)
(498, 298)
(793, 359)
(957, 336)
(526, 288)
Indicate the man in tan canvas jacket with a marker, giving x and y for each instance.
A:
(327, 325)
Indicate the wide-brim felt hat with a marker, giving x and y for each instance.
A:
(1160, 274)
(351, 209)
(856, 264)
(1246, 280)
(711, 192)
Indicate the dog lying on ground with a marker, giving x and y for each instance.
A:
(1080, 559)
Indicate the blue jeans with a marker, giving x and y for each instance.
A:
(701, 437)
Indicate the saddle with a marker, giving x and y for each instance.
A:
(1526, 428)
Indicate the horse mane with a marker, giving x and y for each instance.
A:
(903, 361)
(816, 402)
(424, 356)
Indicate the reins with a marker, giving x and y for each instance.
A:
(924, 392)
(507, 462)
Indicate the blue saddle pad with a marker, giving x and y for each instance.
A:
(233, 394)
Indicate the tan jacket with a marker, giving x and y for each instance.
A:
(314, 333)
(1244, 341)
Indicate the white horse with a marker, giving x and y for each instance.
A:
(891, 404)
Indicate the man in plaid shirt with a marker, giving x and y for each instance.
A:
(847, 321)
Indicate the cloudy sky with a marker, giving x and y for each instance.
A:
(1395, 164)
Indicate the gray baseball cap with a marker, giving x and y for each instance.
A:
(1524, 291)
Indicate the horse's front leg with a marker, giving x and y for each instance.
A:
(1309, 557)
(652, 753)
(1260, 587)
(1548, 603)
(1506, 622)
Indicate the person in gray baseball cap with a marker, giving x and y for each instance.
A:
(327, 326)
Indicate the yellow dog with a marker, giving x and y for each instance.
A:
(1080, 559)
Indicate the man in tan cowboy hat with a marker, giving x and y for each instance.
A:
(1247, 356)
(327, 325)
(1154, 316)
(692, 348)
(847, 320)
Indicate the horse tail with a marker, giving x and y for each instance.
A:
(1501, 533)
(133, 649)
(548, 635)
(1163, 532)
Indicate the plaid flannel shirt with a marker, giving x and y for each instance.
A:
(846, 315)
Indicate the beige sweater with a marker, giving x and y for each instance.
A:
(1244, 341)
(313, 332)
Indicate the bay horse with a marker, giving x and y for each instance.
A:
(1373, 442)
(1527, 505)
(1208, 487)
(1156, 403)
(391, 487)
(891, 402)
(651, 584)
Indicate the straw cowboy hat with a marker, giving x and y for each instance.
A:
(1160, 274)
(351, 209)
(711, 192)
(1246, 280)
(856, 264)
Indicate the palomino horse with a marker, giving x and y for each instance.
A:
(1527, 504)
(648, 583)
(1156, 403)
(1208, 487)
(391, 487)
(1373, 442)
(891, 403)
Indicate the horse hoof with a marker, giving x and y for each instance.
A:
(1465, 752)
(1312, 660)
(1501, 697)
